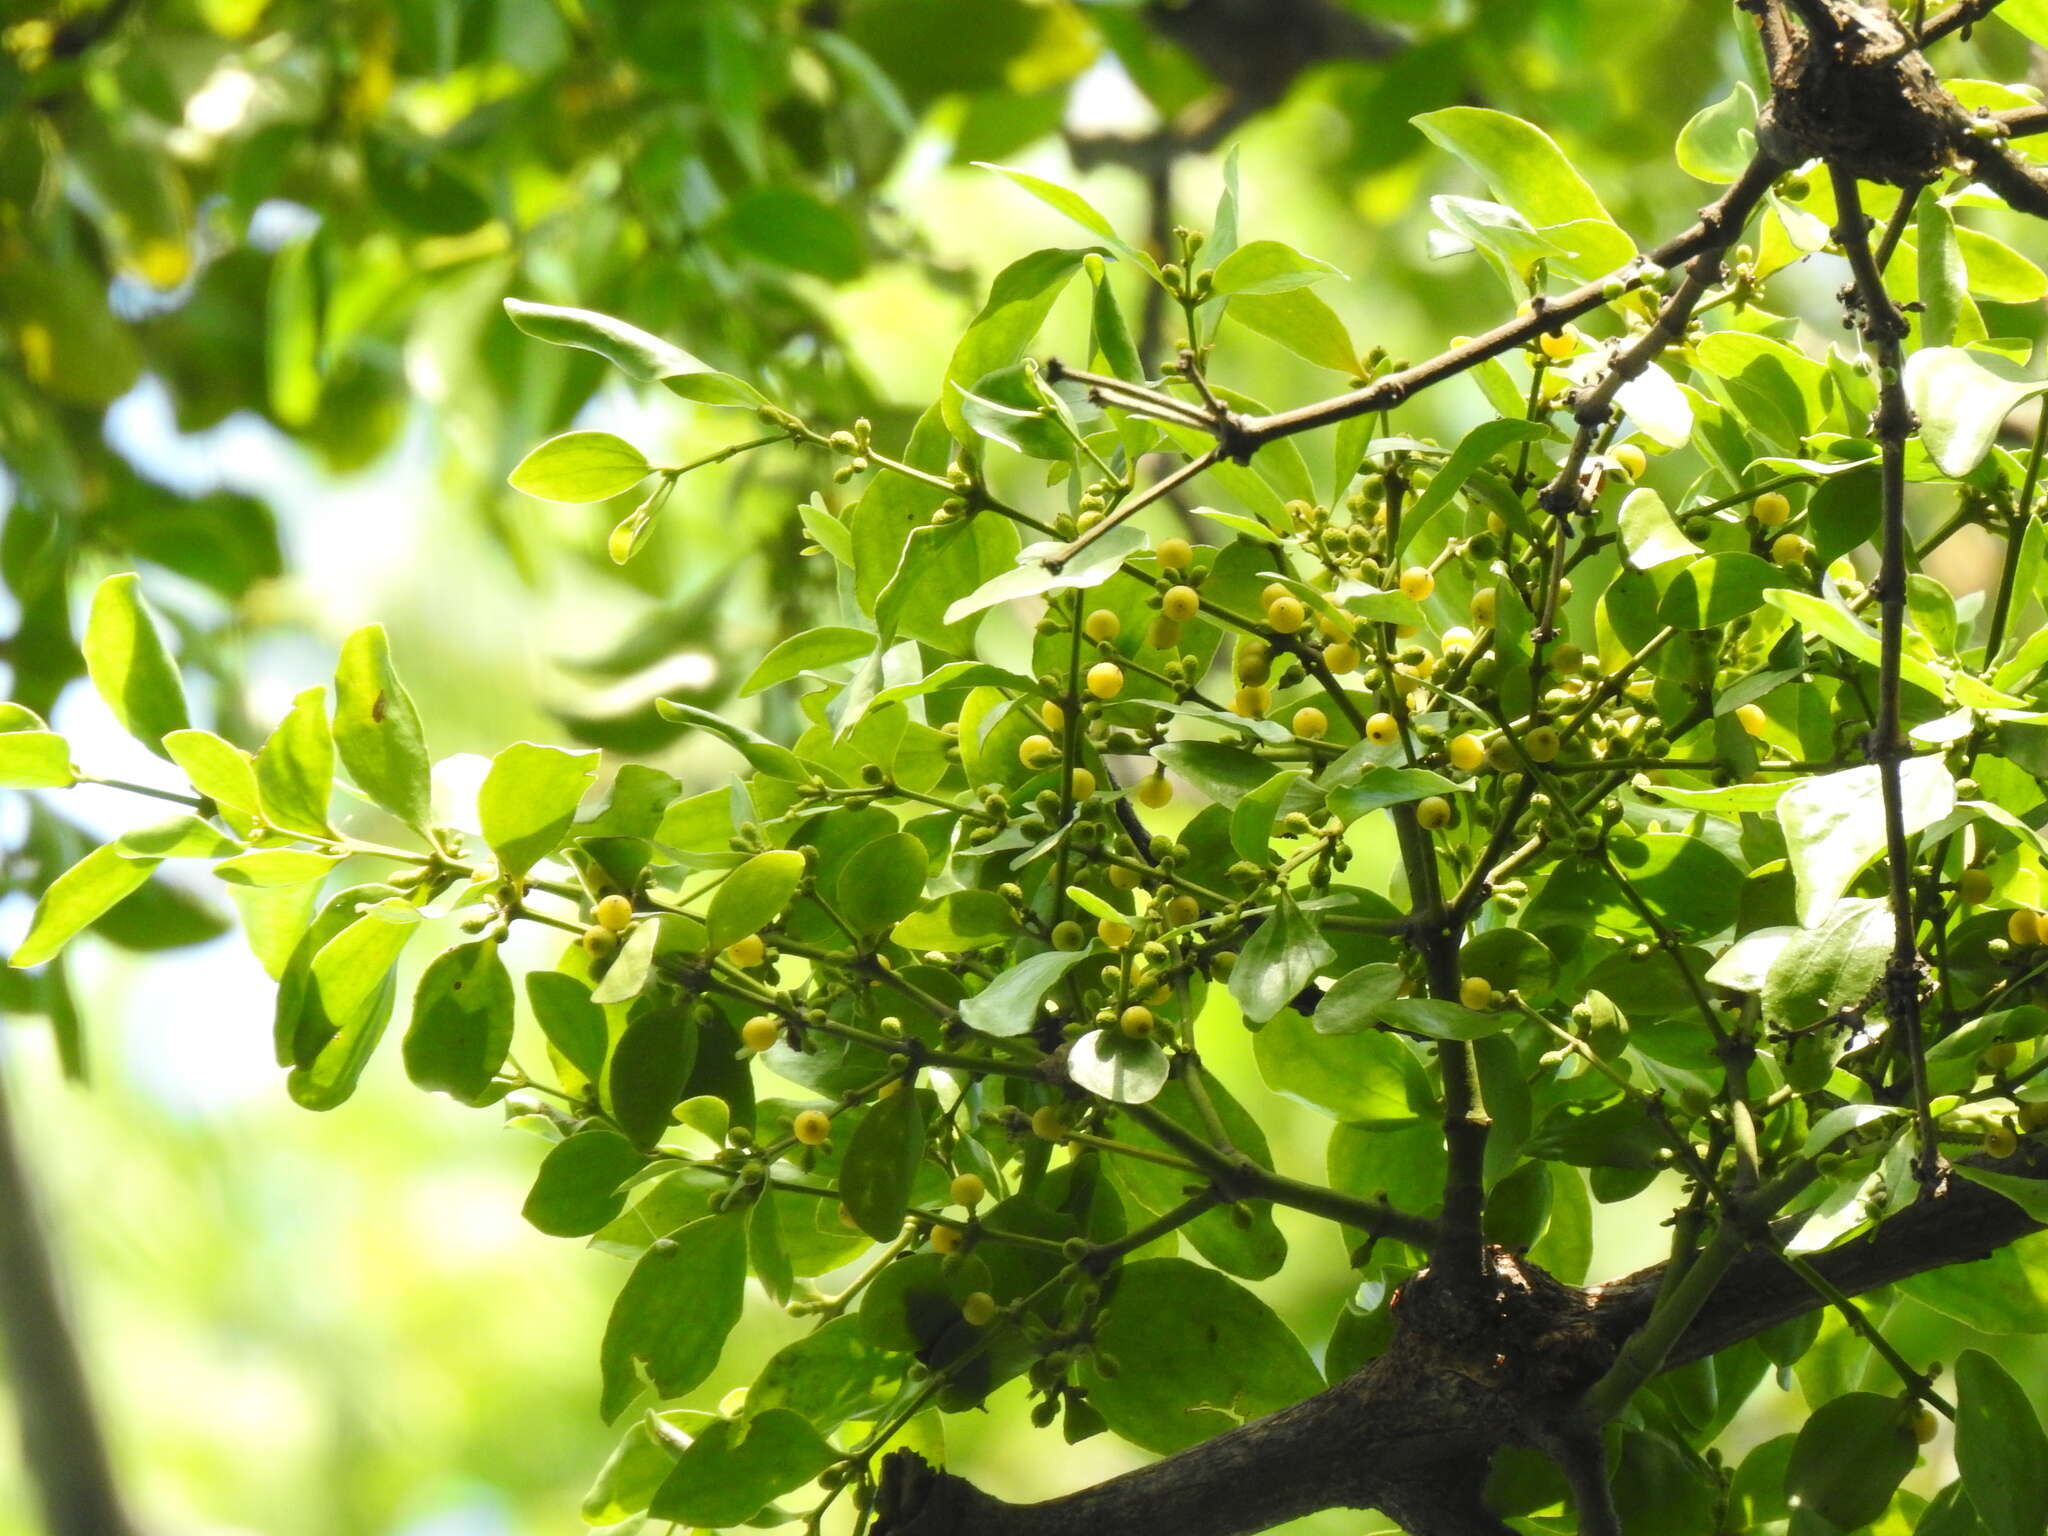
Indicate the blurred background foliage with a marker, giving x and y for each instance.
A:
(252, 254)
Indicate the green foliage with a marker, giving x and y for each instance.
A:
(1538, 825)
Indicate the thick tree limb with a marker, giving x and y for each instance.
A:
(1958, 1223)
(62, 1446)
(1411, 1434)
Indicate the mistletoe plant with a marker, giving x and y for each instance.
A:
(1601, 804)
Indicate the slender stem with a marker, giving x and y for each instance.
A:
(2015, 542)
(1059, 559)
(1955, 18)
(1240, 1178)
(195, 802)
(1916, 1382)
(1731, 209)
(1644, 1354)
(1884, 329)
(1106, 1254)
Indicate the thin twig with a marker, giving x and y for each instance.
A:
(1884, 328)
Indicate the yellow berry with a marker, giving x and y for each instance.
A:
(1788, 549)
(1482, 607)
(1037, 752)
(1105, 680)
(1181, 604)
(945, 1239)
(1382, 729)
(1084, 783)
(1433, 811)
(1629, 461)
(1068, 936)
(760, 1032)
(1310, 722)
(2021, 928)
(1459, 638)
(748, 952)
(1285, 614)
(1342, 656)
(1998, 1057)
(978, 1310)
(1182, 910)
(1272, 592)
(1251, 701)
(1475, 992)
(1541, 744)
(1155, 791)
(599, 941)
(1973, 886)
(1924, 1424)
(1102, 625)
(1557, 345)
(1114, 932)
(1047, 1125)
(1751, 718)
(1501, 755)
(1123, 877)
(967, 1189)
(1417, 582)
(1467, 752)
(1771, 510)
(1051, 716)
(812, 1127)
(616, 913)
(1136, 1022)
(2000, 1141)
(1174, 554)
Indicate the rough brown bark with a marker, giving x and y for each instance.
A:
(1413, 1433)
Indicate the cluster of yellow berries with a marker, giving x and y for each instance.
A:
(614, 916)
(1468, 752)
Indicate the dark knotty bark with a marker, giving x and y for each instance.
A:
(61, 1444)
(1852, 90)
(1413, 1433)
